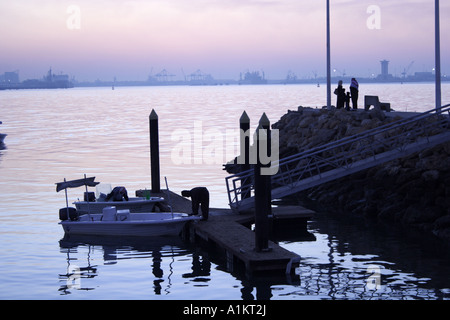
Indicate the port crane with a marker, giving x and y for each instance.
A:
(406, 70)
(164, 76)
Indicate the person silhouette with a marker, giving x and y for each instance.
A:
(354, 91)
(118, 194)
(340, 92)
(200, 197)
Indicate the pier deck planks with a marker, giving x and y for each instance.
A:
(236, 239)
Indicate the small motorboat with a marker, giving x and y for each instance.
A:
(135, 204)
(116, 220)
(113, 222)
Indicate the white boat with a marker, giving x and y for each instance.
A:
(136, 204)
(114, 222)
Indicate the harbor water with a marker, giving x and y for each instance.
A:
(57, 134)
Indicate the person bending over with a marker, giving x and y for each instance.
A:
(200, 198)
(118, 194)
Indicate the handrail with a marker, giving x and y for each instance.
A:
(342, 153)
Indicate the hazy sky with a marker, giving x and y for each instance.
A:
(129, 39)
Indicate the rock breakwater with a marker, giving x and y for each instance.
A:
(414, 191)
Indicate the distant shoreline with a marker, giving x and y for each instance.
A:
(111, 84)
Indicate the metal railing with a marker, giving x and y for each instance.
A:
(346, 156)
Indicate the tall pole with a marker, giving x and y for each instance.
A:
(438, 56)
(154, 152)
(262, 185)
(244, 125)
(328, 58)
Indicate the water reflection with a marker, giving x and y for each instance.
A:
(83, 258)
(354, 258)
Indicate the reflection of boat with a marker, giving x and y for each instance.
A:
(116, 220)
(143, 244)
(123, 223)
(102, 251)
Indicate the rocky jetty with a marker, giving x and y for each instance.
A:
(414, 191)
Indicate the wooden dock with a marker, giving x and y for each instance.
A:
(232, 234)
(238, 241)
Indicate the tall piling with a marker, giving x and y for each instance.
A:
(154, 152)
(263, 197)
(244, 126)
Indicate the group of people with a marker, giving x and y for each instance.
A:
(343, 98)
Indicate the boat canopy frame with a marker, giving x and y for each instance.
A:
(87, 182)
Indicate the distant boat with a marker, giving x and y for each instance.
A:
(2, 136)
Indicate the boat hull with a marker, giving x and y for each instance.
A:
(137, 205)
(150, 224)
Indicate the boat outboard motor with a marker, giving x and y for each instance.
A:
(68, 213)
(89, 196)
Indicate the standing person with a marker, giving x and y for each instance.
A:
(354, 90)
(340, 92)
(200, 197)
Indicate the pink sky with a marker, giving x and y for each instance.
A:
(129, 39)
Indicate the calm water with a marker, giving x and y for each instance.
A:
(57, 134)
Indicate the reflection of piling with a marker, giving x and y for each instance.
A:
(154, 151)
(244, 124)
(263, 196)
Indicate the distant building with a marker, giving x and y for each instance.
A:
(424, 76)
(10, 77)
(384, 76)
(252, 78)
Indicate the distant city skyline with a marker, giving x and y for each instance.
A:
(130, 40)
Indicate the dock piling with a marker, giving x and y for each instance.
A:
(244, 125)
(263, 198)
(154, 152)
